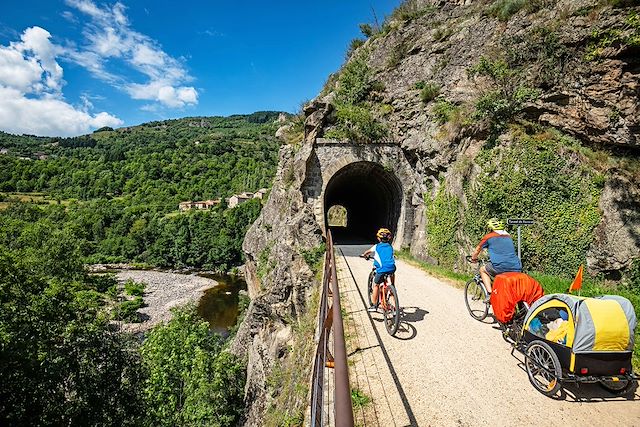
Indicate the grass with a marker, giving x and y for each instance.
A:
(429, 92)
(37, 198)
(550, 284)
(359, 399)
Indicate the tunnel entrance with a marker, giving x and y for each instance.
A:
(371, 196)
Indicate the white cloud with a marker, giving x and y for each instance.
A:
(31, 78)
(18, 72)
(110, 39)
(36, 41)
(31, 84)
(47, 116)
(164, 93)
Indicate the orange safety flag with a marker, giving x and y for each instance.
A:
(577, 282)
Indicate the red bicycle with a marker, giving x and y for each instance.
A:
(387, 300)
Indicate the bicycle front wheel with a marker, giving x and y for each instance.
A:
(391, 310)
(474, 296)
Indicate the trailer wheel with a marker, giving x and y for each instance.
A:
(543, 368)
(619, 388)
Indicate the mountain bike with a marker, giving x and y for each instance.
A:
(475, 294)
(387, 300)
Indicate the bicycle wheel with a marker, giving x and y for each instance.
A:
(474, 296)
(370, 288)
(543, 368)
(619, 388)
(391, 310)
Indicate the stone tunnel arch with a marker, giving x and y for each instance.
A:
(372, 196)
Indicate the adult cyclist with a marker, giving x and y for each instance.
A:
(502, 253)
(383, 261)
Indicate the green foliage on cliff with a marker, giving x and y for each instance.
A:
(538, 50)
(357, 123)
(506, 97)
(356, 80)
(429, 91)
(355, 119)
(541, 177)
(313, 257)
(444, 110)
(626, 34)
(443, 219)
(505, 9)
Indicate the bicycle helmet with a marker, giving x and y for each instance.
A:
(384, 234)
(495, 224)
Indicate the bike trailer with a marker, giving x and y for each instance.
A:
(508, 290)
(591, 337)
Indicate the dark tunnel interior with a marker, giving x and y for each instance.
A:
(372, 197)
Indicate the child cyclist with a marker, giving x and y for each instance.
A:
(383, 262)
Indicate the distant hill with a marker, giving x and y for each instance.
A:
(160, 162)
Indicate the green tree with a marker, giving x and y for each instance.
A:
(191, 381)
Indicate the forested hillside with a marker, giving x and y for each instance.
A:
(115, 190)
(113, 196)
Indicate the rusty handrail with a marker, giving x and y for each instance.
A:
(331, 318)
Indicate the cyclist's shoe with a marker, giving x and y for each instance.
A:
(372, 308)
(487, 300)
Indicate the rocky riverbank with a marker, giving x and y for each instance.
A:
(164, 291)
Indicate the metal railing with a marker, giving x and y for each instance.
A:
(330, 318)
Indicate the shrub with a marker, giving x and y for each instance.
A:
(443, 110)
(442, 33)
(398, 53)
(410, 9)
(133, 288)
(429, 92)
(128, 310)
(191, 381)
(442, 223)
(355, 81)
(366, 30)
(357, 123)
(628, 34)
(500, 108)
(507, 98)
(505, 9)
(313, 257)
(353, 46)
(542, 47)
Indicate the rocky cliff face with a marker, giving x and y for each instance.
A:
(502, 108)
(280, 280)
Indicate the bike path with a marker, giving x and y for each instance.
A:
(444, 368)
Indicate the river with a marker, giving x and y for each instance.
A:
(219, 305)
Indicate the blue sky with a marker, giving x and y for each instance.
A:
(68, 67)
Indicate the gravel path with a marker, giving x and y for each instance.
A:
(444, 368)
(164, 290)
